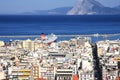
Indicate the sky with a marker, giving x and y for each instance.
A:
(19, 6)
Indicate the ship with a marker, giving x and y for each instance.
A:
(48, 39)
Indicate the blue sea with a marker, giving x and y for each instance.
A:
(59, 24)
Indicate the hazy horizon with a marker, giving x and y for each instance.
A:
(21, 6)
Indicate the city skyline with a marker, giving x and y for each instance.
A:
(15, 6)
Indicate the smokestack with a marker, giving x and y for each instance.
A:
(43, 36)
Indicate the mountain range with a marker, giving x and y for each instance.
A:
(56, 11)
(89, 7)
(82, 7)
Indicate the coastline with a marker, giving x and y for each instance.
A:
(94, 37)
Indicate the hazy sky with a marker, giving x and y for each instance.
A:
(17, 6)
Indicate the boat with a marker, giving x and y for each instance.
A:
(47, 39)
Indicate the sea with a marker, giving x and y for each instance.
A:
(18, 25)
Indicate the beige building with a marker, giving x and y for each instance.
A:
(2, 75)
(39, 45)
(36, 71)
(2, 43)
(28, 45)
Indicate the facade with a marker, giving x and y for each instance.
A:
(2, 75)
(28, 45)
(64, 74)
(36, 71)
(21, 74)
(2, 43)
(85, 75)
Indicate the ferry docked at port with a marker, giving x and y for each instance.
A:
(48, 38)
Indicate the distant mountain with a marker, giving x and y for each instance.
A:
(82, 7)
(56, 11)
(90, 7)
(117, 7)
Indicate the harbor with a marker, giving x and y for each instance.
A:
(60, 40)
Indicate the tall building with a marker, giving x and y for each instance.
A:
(28, 45)
(2, 43)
